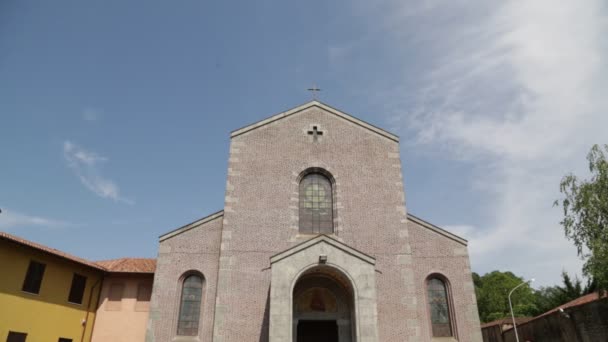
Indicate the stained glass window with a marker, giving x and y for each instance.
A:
(190, 306)
(438, 305)
(316, 209)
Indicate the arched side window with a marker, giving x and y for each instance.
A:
(190, 305)
(316, 205)
(439, 307)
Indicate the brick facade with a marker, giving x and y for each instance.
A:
(437, 254)
(260, 219)
(195, 248)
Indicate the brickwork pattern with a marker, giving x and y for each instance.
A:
(194, 250)
(260, 219)
(261, 216)
(582, 323)
(435, 254)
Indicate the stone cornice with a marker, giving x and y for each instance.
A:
(323, 106)
(318, 239)
(436, 229)
(191, 225)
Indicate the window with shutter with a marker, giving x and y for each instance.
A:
(14, 336)
(79, 282)
(33, 277)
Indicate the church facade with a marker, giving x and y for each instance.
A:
(314, 243)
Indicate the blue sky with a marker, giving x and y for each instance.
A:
(115, 115)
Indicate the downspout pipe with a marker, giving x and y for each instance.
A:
(86, 317)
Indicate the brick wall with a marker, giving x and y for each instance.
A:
(584, 323)
(261, 219)
(434, 253)
(492, 334)
(261, 216)
(195, 249)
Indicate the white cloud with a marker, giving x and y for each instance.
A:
(461, 230)
(517, 88)
(11, 219)
(85, 165)
(548, 55)
(91, 114)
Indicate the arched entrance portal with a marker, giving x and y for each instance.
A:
(323, 307)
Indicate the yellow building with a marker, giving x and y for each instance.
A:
(46, 295)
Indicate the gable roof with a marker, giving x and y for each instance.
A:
(318, 239)
(320, 105)
(220, 213)
(48, 250)
(191, 225)
(129, 265)
(436, 229)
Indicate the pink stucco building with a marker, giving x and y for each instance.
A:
(122, 314)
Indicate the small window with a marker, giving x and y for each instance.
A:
(439, 308)
(144, 292)
(33, 277)
(190, 306)
(63, 339)
(16, 336)
(79, 283)
(114, 302)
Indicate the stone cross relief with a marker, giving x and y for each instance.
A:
(315, 132)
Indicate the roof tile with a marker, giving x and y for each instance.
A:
(49, 250)
(129, 265)
(122, 265)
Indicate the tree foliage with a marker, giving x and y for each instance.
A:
(492, 290)
(585, 222)
(550, 297)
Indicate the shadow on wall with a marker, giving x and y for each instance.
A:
(266, 321)
(587, 322)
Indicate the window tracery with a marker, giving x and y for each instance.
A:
(190, 305)
(316, 205)
(439, 307)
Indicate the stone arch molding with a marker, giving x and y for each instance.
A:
(357, 267)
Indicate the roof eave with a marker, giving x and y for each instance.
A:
(437, 229)
(191, 225)
(50, 253)
(323, 106)
(322, 238)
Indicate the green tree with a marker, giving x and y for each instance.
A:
(550, 297)
(585, 220)
(492, 290)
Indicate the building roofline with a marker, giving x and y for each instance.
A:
(322, 238)
(50, 251)
(436, 229)
(583, 300)
(506, 321)
(129, 265)
(191, 225)
(323, 106)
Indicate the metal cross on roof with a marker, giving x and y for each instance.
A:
(314, 91)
